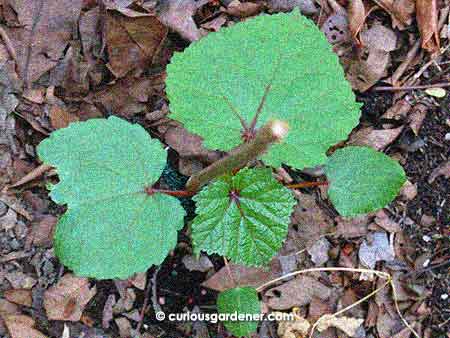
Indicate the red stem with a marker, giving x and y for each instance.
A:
(176, 193)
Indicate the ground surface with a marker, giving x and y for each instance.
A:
(64, 61)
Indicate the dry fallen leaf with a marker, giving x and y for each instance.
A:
(245, 276)
(351, 227)
(67, 299)
(202, 263)
(177, 15)
(348, 325)
(291, 329)
(375, 248)
(305, 6)
(20, 326)
(19, 296)
(427, 20)
(296, 292)
(442, 170)
(243, 9)
(132, 42)
(356, 18)
(375, 138)
(401, 11)
(60, 117)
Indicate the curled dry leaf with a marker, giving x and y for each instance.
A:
(427, 20)
(244, 9)
(297, 292)
(401, 11)
(20, 326)
(67, 299)
(177, 15)
(442, 170)
(356, 18)
(348, 325)
(291, 329)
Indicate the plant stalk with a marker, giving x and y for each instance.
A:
(272, 132)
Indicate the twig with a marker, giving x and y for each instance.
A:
(270, 133)
(146, 299)
(433, 85)
(35, 173)
(306, 184)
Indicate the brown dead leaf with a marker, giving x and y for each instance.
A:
(60, 117)
(216, 23)
(383, 220)
(378, 42)
(19, 296)
(291, 329)
(305, 6)
(401, 11)
(124, 325)
(351, 227)
(442, 170)
(349, 326)
(177, 15)
(108, 311)
(310, 220)
(20, 326)
(296, 292)
(132, 42)
(245, 276)
(66, 300)
(42, 230)
(427, 20)
(375, 138)
(44, 30)
(244, 9)
(139, 280)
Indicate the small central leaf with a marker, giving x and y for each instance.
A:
(112, 227)
(244, 217)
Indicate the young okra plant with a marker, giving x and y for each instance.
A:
(240, 89)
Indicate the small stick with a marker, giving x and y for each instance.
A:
(270, 133)
(35, 173)
(434, 85)
(9, 47)
(306, 184)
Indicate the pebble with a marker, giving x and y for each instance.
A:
(426, 238)
(444, 296)
(447, 137)
(426, 263)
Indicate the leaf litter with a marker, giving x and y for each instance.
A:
(41, 53)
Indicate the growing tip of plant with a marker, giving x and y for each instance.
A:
(272, 132)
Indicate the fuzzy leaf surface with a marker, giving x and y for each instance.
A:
(243, 301)
(112, 228)
(250, 229)
(362, 180)
(225, 75)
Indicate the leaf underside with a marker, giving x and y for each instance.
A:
(250, 229)
(362, 180)
(281, 63)
(243, 301)
(112, 228)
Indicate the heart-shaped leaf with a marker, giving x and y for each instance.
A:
(243, 301)
(229, 83)
(362, 180)
(112, 227)
(244, 217)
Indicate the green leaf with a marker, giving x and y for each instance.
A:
(362, 180)
(244, 301)
(225, 75)
(112, 228)
(244, 217)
